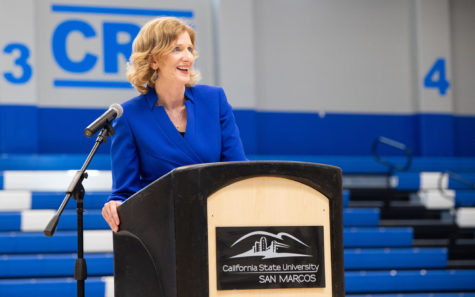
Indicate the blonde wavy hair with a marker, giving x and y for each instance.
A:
(156, 39)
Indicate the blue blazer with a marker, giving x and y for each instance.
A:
(146, 144)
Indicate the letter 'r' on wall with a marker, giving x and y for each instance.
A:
(59, 44)
(112, 45)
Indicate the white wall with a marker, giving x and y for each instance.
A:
(463, 50)
(327, 55)
(17, 19)
(237, 65)
(364, 56)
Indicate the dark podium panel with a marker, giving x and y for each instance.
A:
(233, 229)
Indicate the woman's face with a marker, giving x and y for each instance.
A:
(177, 65)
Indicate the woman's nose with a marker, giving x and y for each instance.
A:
(188, 56)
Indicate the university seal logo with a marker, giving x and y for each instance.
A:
(270, 257)
(268, 249)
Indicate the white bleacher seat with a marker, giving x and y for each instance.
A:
(52, 180)
(431, 180)
(435, 199)
(466, 217)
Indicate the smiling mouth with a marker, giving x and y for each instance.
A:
(184, 70)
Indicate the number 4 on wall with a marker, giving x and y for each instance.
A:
(436, 77)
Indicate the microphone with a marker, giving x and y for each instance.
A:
(114, 111)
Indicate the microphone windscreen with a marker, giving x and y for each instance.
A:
(118, 109)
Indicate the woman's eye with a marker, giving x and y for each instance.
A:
(190, 49)
(176, 49)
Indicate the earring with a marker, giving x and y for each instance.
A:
(155, 75)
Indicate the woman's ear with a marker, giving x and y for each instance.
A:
(153, 63)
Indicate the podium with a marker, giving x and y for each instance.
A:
(233, 229)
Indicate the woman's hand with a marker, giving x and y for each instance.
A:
(109, 212)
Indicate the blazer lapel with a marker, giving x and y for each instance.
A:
(184, 144)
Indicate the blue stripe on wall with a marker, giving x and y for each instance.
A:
(121, 11)
(29, 129)
(70, 83)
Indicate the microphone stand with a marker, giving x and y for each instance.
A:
(76, 190)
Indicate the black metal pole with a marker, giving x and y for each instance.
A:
(80, 268)
(76, 190)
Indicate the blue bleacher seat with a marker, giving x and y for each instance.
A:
(409, 281)
(36, 242)
(465, 198)
(377, 237)
(12, 221)
(360, 217)
(408, 258)
(52, 265)
(52, 200)
(51, 287)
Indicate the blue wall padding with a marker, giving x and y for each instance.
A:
(360, 217)
(61, 287)
(62, 130)
(10, 221)
(247, 122)
(333, 134)
(37, 242)
(409, 258)
(409, 281)
(52, 200)
(464, 139)
(436, 135)
(47, 130)
(377, 237)
(53, 265)
(19, 129)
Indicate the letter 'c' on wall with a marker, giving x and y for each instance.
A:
(60, 54)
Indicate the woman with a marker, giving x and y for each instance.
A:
(173, 122)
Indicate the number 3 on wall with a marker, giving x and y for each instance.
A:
(436, 77)
(21, 61)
